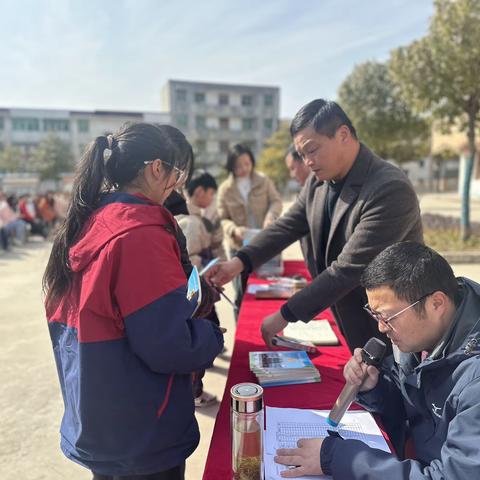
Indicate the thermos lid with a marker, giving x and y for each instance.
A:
(247, 397)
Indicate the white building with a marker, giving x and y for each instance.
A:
(214, 117)
(26, 128)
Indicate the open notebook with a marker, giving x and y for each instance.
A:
(318, 332)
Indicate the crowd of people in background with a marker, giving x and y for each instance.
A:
(22, 216)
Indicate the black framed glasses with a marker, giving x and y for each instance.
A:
(380, 318)
(180, 175)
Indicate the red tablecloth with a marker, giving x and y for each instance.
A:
(322, 395)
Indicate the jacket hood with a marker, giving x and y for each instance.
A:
(464, 334)
(117, 214)
(460, 341)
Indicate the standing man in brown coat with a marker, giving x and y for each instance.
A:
(354, 206)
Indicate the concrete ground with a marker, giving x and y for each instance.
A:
(30, 401)
(448, 204)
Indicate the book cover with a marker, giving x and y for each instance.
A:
(194, 290)
(279, 360)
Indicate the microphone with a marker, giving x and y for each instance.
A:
(372, 354)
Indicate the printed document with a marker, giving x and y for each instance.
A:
(285, 426)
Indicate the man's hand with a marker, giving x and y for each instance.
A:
(223, 272)
(271, 325)
(355, 369)
(305, 459)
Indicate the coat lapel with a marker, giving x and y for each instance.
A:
(348, 195)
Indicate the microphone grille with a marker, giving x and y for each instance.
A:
(373, 351)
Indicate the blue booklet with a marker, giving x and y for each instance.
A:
(194, 290)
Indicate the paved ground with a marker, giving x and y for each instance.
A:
(30, 402)
(448, 204)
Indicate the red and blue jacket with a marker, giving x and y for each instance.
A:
(125, 344)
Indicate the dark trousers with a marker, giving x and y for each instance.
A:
(175, 473)
(198, 375)
(4, 243)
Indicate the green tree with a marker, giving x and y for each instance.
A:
(51, 158)
(272, 158)
(383, 120)
(440, 74)
(10, 159)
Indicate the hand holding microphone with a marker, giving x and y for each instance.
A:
(361, 374)
(354, 372)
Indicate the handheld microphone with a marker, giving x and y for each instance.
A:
(372, 354)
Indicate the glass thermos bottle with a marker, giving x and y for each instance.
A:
(247, 431)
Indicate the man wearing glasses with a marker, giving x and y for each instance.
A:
(430, 395)
(353, 206)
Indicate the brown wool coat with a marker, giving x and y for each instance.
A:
(264, 204)
(376, 208)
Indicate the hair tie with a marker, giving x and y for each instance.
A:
(107, 153)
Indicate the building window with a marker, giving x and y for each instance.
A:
(55, 125)
(181, 95)
(200, 122)
(248, 123)
(200, 146)
(25, 124)
(268, 123)
(83, 125)
(224, 124)
(182, 120)
(223, 99)
(247, 100)
(251, 144)
(268, 99)
(199, 97)
(2, 124)
(223, 146)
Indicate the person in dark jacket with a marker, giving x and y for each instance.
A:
(120, 322)
(353, 206)
(428, 394)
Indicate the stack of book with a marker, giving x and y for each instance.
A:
(283, 368)
(279, 288)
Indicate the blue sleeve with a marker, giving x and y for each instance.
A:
(164, 336)
(386, 396)
(458, 459)
(150, 289)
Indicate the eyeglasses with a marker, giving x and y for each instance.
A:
(380, 318)
(180, 175)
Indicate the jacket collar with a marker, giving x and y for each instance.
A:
(192, 208)
(461, 341)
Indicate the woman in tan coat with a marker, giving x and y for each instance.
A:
(246, 200)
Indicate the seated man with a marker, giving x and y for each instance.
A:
(430, 391)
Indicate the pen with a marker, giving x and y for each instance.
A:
(224, 296)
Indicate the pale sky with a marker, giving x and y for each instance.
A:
(117, 54)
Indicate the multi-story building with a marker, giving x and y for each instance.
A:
(26, 128)
(214, 117)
